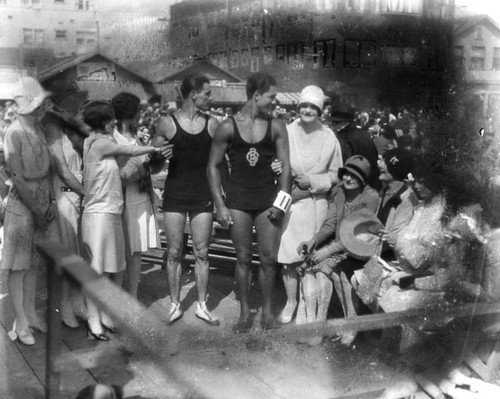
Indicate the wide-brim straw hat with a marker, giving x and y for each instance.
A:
(359, 234)
(29, 95)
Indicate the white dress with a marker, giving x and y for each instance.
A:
(317, 155)
(139, 218)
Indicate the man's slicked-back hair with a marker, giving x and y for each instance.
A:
(193, 82)
(259, 82)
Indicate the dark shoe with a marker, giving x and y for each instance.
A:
(111, 329)
(97, 337)
(270, 324)
(242, 326)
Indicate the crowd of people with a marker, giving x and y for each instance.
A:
(79, 172)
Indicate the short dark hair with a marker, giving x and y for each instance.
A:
(193, 82)
(259, 82)
(98, 114)
(125, 105)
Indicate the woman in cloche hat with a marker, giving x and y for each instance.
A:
(31, 207)
(326, 254)
(315, 158)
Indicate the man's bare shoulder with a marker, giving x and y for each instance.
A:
(225, 129)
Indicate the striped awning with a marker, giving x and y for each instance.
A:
(288, 98)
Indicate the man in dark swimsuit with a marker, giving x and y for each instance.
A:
(252, 139)
(189, 131)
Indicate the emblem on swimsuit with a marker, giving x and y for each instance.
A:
(252, 156)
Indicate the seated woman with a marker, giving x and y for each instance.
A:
(397, 198)
(417, 244)
(329, 260)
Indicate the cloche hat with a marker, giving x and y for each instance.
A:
(399, 163)
(29, 95)
(312, 95)
(359, 234)
(357, 165)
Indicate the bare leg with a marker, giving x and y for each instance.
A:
(134, 273)
(241, 234)
(350, 308)
(268, 237)
(106, 321)
(310, 295)
(201, 227)
(291, 283)
(29, 298)
(67, 314)
(325, 290)
(16, 293)
(174, 232)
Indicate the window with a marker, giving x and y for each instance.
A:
(496, 58)
(392, 55)
(213, 58)
(33, 36)
(351, 53)
(223, 59)
(28, 36)
(83, 5)
(368, 54)
(280, 53)
(268, 55)
(85, 38)
(254, 65)
(477, 58)
(458, 56)
(234, 61)
(60, 34)
(245, 57)
(324, 53)
(39, 36)
(295, 53)
(409, 56)
(29, 3)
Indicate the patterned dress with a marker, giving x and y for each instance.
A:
(19, 229)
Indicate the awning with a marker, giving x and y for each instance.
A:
(288, 98)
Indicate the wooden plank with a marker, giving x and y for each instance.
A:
(17, 379)
(129, 315)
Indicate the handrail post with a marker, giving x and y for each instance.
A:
(52, 342)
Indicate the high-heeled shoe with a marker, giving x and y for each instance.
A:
(97, 337)
(24, 336)
(111, 329)
(40, 325)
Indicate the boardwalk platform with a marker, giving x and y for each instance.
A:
(211, 362)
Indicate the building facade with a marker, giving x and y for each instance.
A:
(44, 30)
(362, 52)
(476, 49)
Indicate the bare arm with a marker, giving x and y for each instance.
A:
(54, 139)
(165, 130)
(221, 141)
(106, 148)
(280, 136)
